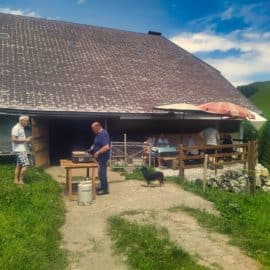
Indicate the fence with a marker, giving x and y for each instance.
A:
(124, 154)
(246, 153)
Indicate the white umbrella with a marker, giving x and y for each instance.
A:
(182, 107)
(258, 120)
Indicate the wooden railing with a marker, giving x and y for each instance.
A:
(246, 153)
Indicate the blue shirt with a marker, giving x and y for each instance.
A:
(101, 139)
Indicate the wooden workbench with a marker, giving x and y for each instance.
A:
(69, 166)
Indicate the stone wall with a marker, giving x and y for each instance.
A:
(237, 181)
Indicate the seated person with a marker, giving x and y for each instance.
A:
(149, 152)
(151, 141)
(192, 152)
(227, 139)
(191, 142)
(162, 141)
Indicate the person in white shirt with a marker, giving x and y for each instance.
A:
(211, 137)
(20, 148)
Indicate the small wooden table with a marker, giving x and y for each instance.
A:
(69, 165)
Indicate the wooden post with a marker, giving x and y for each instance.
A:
(69, 176)
(181, 161)
(40, 142)
(150, 157)
(215, 162)
(244, 157)
(125, 149)
(205, 171)
(251, 166)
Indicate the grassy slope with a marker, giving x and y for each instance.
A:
(148, 247)
(261, 98)
(245, 218)
(30, 217)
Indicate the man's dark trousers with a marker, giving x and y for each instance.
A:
(102, 173)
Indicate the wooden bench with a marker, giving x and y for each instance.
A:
(172, 160)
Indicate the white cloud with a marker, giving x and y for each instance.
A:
(79, 2)
(19, 12)
(204, 42)
(255, 15)
(243, 68)
(252, 43)
(227, 14)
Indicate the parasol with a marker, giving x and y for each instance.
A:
(227, 109)
(182, 107)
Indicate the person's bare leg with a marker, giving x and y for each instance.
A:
(17, 174)
(23, 170)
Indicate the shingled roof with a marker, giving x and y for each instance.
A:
(59, 66)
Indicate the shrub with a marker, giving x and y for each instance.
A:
(250, 133)
(264, 145)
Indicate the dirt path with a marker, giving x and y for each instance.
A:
(85, 233)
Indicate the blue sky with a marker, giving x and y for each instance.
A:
(232, 36)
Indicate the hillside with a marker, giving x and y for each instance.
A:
(259, 94)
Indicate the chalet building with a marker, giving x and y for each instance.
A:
(66, 75)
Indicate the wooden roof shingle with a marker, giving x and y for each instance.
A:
(59, 66)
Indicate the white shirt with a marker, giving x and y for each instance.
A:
(191, 142)
(211, 136)
(19, 133)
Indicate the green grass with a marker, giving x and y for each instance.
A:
(245, 218)
(148, 247)
(261, 98)
(259, 95)
(30, 217)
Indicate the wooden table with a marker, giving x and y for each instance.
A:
(69, 166)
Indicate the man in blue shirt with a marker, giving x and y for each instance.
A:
(101, 152)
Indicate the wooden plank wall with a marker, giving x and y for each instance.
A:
(40, 142)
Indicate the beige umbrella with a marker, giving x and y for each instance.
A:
(257, 121)
(182, 107)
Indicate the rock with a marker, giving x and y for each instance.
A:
(258, 180)
(267, 183)
(234, 183)
(266, 188)
(236, 190)
(215, 185)
(261, 170)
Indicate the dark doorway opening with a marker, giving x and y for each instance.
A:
(70, 134)
(67, 135)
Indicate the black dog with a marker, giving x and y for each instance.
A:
(151, 176)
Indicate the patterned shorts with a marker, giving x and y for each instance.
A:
(22, 159)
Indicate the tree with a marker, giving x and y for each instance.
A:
(264, 145)
(250, 133)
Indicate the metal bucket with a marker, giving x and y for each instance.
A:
(85, 193)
